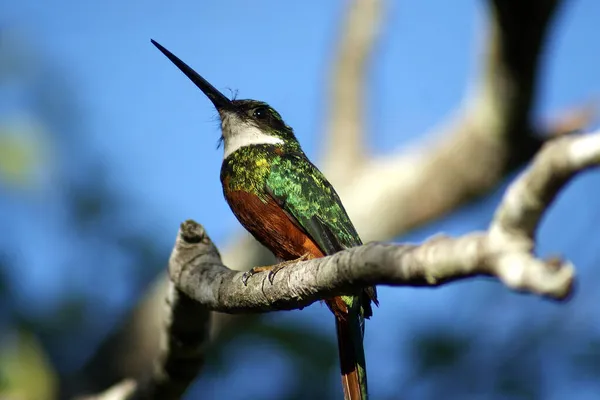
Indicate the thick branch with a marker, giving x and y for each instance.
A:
(517, 35)
(492, 132)
(345, 142)
(504, 251)
(527, 199)
(184, 336)
(433, 263)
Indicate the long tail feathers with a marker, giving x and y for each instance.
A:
(352, 357)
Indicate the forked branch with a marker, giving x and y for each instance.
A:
(504, 251)
(200, 282)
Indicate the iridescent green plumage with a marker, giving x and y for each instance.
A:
(294, 181)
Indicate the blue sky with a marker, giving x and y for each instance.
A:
(138, 104)
(157, 133)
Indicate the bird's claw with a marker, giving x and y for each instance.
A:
(251, 272)
(272, 272)
(270, 276)
(273, 269)
(247, 276)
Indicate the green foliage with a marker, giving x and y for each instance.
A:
(25, 372)
(21, 154)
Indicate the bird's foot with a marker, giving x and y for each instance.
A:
(254, 270)
(278, 267)
(273, 269)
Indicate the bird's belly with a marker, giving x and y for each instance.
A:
(271, 226)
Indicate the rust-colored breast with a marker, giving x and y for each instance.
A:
(271, 226)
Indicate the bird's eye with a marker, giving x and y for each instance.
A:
(260, 113)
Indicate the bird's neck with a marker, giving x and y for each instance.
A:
(246, 136)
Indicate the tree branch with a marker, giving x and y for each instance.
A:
(527, 198)
(119, 391)
(344, 148)
(433, 263)
(184, 335)
(517, 35)
(504, 251)
(493, 131)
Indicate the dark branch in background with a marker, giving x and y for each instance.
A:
(518, 30)
(184, 336)
(504, 251)
(390, 194)
(346, 139)
(493, 130)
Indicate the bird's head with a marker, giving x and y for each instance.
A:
(243, 122)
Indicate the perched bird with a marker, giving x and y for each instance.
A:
(287, 204)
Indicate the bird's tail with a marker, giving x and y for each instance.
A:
(352, 356)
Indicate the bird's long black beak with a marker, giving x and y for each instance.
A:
(217, 98)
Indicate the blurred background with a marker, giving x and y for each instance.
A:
(105, 147)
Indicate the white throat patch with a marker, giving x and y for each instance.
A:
(238, 134)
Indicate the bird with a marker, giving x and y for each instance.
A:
(288, 205)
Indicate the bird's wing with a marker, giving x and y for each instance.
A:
(308, 198)
(310, 201)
